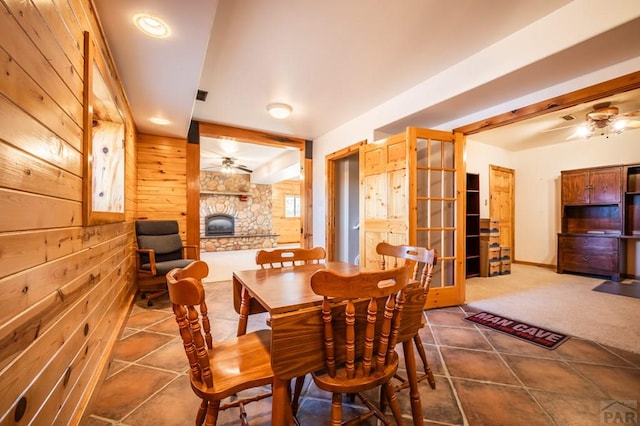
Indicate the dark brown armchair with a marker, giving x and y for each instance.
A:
(160, 249)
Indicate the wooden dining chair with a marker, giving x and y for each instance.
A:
(218, 370)
(271, 259)
(422, 262)
(361, 316)
(279, 258)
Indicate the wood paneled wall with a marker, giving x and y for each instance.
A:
(162, 179)
(65, 289)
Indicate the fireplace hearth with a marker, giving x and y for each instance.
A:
(218, 224)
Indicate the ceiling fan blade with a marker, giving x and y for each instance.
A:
(630, 114)
(244, 169)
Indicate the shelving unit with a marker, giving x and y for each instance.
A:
(632, 201)
(472, 256)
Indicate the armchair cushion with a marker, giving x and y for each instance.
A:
(166, 247)
(162, 268)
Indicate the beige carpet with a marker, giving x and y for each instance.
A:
(560, 302)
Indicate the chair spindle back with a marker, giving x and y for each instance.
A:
(279, 258)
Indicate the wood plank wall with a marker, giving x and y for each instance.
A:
(162, 180)
(65, 289)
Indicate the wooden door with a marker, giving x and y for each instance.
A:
(383, 196)
(501, 203)
(412, 192)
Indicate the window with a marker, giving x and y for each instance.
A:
(291, 206)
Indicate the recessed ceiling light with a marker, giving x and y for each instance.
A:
(150, 25)
(159, 121)
(279, 110)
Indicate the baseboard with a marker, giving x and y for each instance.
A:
(541, 265)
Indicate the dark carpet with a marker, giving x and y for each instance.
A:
(631, 289)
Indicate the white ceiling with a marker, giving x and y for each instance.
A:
(333, 60)
(552, 128)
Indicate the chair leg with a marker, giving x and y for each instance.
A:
(423, 356)
(336, 409)
(202, 412)
(296, 394)
(212, 413)
(393, 402)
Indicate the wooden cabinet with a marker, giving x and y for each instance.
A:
(598, 255)
(592, 221)
(472, 230)
(591, 186)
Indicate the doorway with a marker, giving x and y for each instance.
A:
(347, 190)
(213, 130)
(343, 197)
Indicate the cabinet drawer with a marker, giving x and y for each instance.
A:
(589, 262)
(589, 243)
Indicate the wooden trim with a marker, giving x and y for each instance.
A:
(588, 94)
(213, 130)
(107, 112)
(306, 200)
(330, 202)
(193, 194)
(541, 265)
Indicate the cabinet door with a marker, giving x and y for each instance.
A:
(605, 185)
(575, 187)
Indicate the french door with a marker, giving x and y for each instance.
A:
(411, 193)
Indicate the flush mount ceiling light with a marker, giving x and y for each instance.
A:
(159, 121)
(279, 110)
(150, 25)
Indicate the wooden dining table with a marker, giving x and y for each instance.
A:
(296, 327)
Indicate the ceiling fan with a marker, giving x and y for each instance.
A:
(604, 114)
(603, 119)
(228, 165)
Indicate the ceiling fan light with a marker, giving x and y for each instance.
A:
(619, 125)
(279, 110)
(584, 131)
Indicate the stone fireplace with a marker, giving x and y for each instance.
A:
(218, 224)
(235, 214)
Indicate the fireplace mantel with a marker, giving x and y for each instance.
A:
(232, 193)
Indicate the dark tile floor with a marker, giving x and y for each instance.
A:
(483, 377)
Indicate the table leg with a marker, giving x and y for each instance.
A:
(243, 316)
(281, 408)
(412, 376)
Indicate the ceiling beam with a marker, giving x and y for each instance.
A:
(213, 130)
(588, 94)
